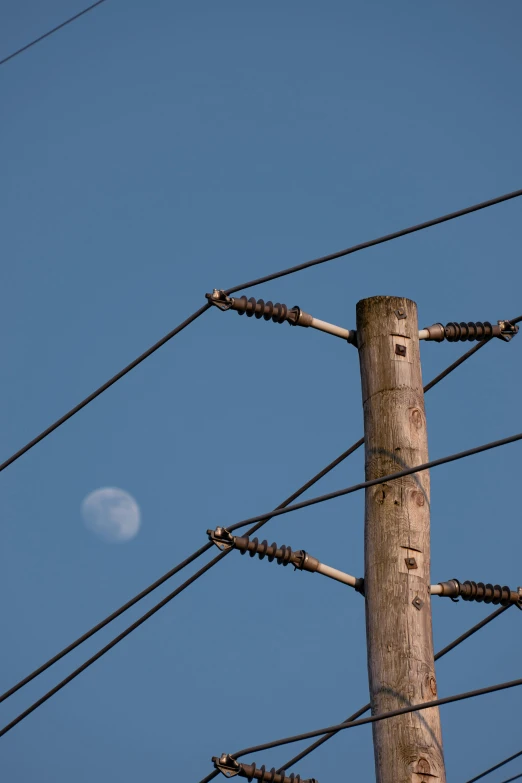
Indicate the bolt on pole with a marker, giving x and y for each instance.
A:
(408, 748)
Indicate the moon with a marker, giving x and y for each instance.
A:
(112, 514)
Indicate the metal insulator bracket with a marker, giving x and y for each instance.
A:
(478, 591)
(278, 313)
(221, 538)
(283, 555)
(473, 330)
(230, 767)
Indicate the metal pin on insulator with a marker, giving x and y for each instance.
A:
(477, 591)
(474, 330)
(229, 767)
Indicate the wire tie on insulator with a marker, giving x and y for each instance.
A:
(283, 555)
(480, 592)
(278, 313)
(230, 767)
(222, 538)
(473, 330)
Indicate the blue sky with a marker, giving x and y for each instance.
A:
(153, 151)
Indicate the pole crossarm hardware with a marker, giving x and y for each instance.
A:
(283, 555)
(279, 313)
(302, 561)
(438, 378)
(473, 330)
(229, 767)
(478, 591)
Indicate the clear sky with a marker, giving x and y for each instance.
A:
(150, 152)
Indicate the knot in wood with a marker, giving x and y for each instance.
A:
(417, 497)
(416, 418)
(433, 685)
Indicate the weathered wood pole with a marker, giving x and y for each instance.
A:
(408, 748)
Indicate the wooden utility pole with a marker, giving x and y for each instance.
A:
(408, 748)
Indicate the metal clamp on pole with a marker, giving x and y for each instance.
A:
(229, 767)
(283, 555)
(278, 313)
(478, 591)
(478, 330)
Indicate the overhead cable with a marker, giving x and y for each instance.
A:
(190, 319)
(50, 32)
(207, 546)
(168, 575)
(497, 766)
(103, 388)
(148, 614)
(104, 622)
(380, 240)
(380, 480)
(445, 650)
(383, 716)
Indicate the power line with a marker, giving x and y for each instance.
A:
(438, 656)
(166, 576)
(497, 766)
(148, 614)
(50, 32)
(104, 387)
(380, 480)
(194, 316)
(362, 710)
(380, 240)
(446, 649)
(104, 622)
(109, 646)
(194, 556)
(515, 778)
(376, 718)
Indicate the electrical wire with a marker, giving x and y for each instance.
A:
(497, 766)
(446, 649)
(104, 622)
(258, 281)
(511, 779)
(437, 657)
(104, 387)
(376, 718)
(380, 480)
(362, 710)
(166, 576)
(202, 550)
(50, 32)
(148, 614)
(380, 240)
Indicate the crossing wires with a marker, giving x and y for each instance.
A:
(290, 270)
(259, 520)
(186, 584)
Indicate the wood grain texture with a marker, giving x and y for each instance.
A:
(408, 749)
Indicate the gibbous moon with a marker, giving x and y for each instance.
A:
(111, 514)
